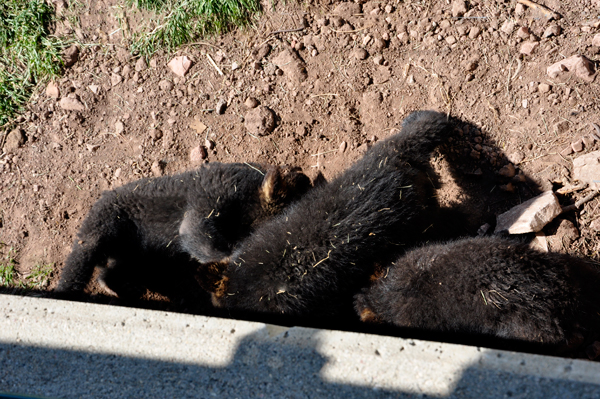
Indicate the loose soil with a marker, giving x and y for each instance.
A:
(337, 77)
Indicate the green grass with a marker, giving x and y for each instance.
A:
(38, 278)
(177, 22)
(29, 54)
(7, 268)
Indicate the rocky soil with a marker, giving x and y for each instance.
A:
(314, 85)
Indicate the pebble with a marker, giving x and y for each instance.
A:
(360, 54)
(552, 30)
(209, 144)
(530, 216)
(141, 65)
(92, 147)
(519, 9)
(94, 88)
(527, 48)
(342, 148)
(52, 90)
(221, 107)
(157, 168)
(71, 104)
(586, 168)
(180, 65)
(507, 27)
(596, 40)
(378, 59)
(251, 103)
(155, 134)
(119, 127)
(516, 157)
(588, 141)
(260, 121)
(474, 32)
(15, 139)
(198, 154)
(450, 40)
(595, 225)
(523, 32)
(544, 88)
(459, 8)
(166, 85)
(115, 79)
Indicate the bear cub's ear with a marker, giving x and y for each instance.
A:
(213, 277)
(282, 185)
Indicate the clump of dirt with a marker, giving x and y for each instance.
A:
(313, 85)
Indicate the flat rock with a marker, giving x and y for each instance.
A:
(15, 139)
(141, 65)
(115, 79)
(292, 66)
(552, 30)
(166, 85)
(507, 27)
(52, 90)
(586, 168)
(474, 32)
(527, 48)
(180, 65)
(260, 121)
(71, 104)
(530, 216)
(583, 67)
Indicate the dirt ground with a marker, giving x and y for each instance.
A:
(338, 77)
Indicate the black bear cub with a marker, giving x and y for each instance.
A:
(161, 222)
(318, 253)
(488, 286)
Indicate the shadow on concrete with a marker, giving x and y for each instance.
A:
(263, 366)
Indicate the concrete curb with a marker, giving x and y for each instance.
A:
(63, 349)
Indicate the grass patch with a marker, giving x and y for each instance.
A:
(29, 54)
(39, 277)
(177, 22)
(7, 268)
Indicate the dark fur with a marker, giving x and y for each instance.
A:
(162, 221)
(490, 286)
(322, 249)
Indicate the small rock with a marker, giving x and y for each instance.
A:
(507, 27)
(507, 170)
(596, 40)
(410, 80)
(166, 85)
(566, 234)
(450, 40)
(141, 65)
(52, 90)
(519, 9)
(586, 169)
(180, 65)
(577, 146)
(292, 65)
(94, 88)
(119, 127)
(360, 54)
(459, 8)
(251, 103)
(552, 30)
(234, 66)
(474, 32)
(471, 66)
(198, 154)
(71, 104)
(523, 32)
(527, 48)
(567, 151)
(260, 121)
(115, 79)
(378, 59)
(92, 147)
(588, 141)
(71, 56)
(530, 216)
(483, 229)
(544, 88)
(539, 242)
(157, 168)
(583, 67)
(221, 107)
(209, 144)
(342, 147)
(261, 52)
(15, 139)
(155, 134)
